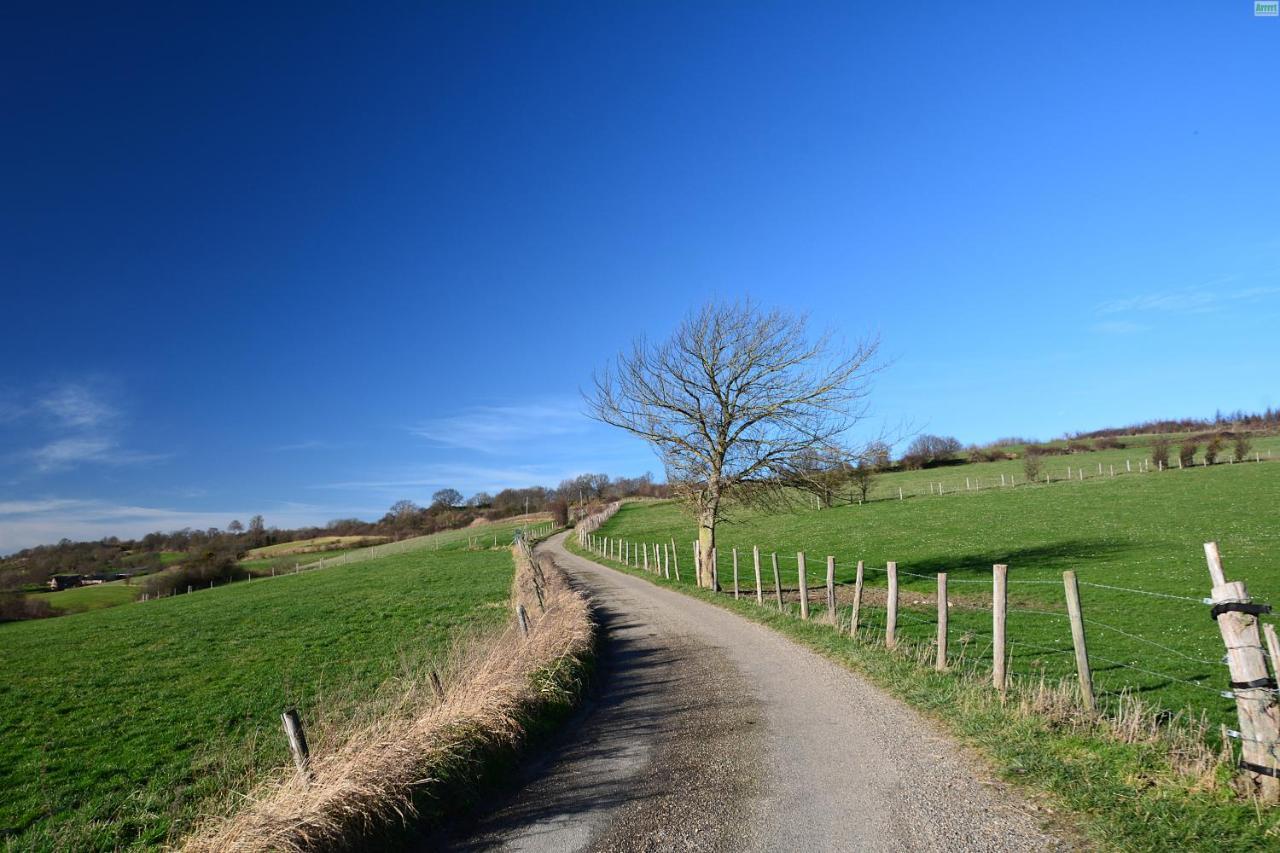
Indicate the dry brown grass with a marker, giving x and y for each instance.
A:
(415, 747)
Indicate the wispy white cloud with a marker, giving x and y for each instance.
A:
(310, 444)
(498, 429)
(467, 478)
(74, 425)
(1202, 299)
(1119, 327)
(34, 522)
(77, 406)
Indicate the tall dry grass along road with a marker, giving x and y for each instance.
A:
(709, 732)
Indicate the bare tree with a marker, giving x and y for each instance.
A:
(733, 403)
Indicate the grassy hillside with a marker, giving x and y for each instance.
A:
(94, 597)
(1143, 531)
(118, 727)
(320, 543)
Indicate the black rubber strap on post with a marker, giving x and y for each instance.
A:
(1238, 607)
(1258, 768)
(1257, 682)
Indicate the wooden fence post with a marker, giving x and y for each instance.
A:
(891, 608)
(1077, 640)
(735, 573)
(777, 581)
(831, 588)
(645, 547)
(297, 740)
(857, 601)
(524, 619)
(804, 585)
(715, 570)
(675, 559)
(941, 665)
(755, 559)
(698, 568)
(999, 604)
(1251, 682)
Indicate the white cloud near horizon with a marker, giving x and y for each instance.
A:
(24, 524)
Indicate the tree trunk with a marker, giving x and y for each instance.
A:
(706, 542)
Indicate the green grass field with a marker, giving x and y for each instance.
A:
(119, 727)
(95, 597)
(320, 543)
(1144, 531)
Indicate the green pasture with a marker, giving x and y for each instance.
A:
(95, 597)
(119, 727)
(1139, 531)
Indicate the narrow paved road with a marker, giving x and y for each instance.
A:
(710, 732)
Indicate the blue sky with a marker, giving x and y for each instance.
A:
(313, 259)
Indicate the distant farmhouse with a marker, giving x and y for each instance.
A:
(58, 582)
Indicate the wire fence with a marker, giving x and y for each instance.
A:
(1165, 648)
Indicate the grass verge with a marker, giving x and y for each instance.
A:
(421, 758)
(1130, 781)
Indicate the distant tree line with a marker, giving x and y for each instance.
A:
(211, 555)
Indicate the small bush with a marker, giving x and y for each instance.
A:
(16, 607)
(1212, 449)
(1031, 465)
(1241, 448)
(1079, 447)
(1187, 453)
(1109, 442)
(1160, 453)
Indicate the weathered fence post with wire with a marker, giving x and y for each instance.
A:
(831, 588)
(777, 581)
(1252, 685)
(941, 665)
(715, 570)
(804, 585)
(755, 559)
(891, 607)
(1077, 640)
(999, 605)
(857, 601)
(735, 573)
(297, 740)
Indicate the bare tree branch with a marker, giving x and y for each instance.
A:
(736, 403)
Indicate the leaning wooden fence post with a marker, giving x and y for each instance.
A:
(436, 687)
(735, 573)
(675, 560)
(755, 559)
(1077, 640)
(1251, 682)
(297, 740)
(804, 585)
(941, 665)
(831, 589)
(777, 581)
(524, 619)
(891, 608)
(999, 603)
(857, 601)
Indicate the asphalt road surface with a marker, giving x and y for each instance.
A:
(709, 732)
